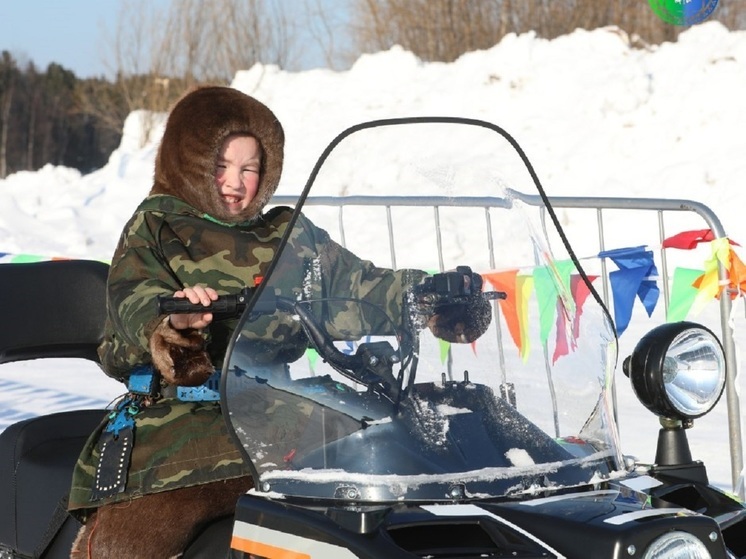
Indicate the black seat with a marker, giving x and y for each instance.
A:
(50, 309)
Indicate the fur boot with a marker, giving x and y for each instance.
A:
(158, 526)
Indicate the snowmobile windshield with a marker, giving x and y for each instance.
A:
(431, 339)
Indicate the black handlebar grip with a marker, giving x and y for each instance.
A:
(225, 304)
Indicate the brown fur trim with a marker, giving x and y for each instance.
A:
(461, 324)
(179, 355)
(157, 526)
(195, 131)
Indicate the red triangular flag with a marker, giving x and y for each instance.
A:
(687, 240)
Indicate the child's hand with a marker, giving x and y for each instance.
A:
(196, 295)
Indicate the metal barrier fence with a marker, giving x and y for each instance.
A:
(601, 205)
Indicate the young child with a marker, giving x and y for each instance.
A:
(162, 468)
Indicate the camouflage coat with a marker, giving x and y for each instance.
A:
(168, 245)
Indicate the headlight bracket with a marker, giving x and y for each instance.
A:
(673, 457)
(677, 371)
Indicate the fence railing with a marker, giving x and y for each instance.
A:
(658, 206)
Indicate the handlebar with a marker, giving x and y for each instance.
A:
(438, 289)
(373, 363)
(225, 305)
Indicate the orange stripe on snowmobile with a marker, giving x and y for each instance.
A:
(264, 550)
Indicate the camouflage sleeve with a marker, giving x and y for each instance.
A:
(137, 275)
(166, 247)
(348, 275)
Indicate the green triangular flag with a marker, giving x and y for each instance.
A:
(682, 293)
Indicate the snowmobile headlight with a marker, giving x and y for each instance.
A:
(678, 370)
(677, 545)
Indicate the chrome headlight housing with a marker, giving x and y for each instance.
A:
(677, 545)
(678, 370)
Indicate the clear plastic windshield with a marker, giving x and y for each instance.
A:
(363, 371)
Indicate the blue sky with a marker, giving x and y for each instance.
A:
(69, 32)
(72, 33)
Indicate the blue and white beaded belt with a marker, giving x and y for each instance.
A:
(143, 380)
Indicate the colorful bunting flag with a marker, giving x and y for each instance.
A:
(561, 346)
(524, 286)
(312, 355)
(12, 258)
(687, 240)
(507, 283)
(693, 289)
(551, 302)
(546, 297)
(683, 293)
(708, 284)
(554, 309)
(444, 347)
(22, 258)
(580, 292)
(737, 275)
(634, 278)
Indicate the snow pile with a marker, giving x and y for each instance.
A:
(596, 117)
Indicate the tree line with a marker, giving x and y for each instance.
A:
(53, 116)
(442, 30)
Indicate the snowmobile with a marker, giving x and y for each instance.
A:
(377, 439)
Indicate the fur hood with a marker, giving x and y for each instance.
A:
(195, 131)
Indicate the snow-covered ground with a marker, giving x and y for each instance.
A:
(596, 117)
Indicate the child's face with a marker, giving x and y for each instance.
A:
(237, 172)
